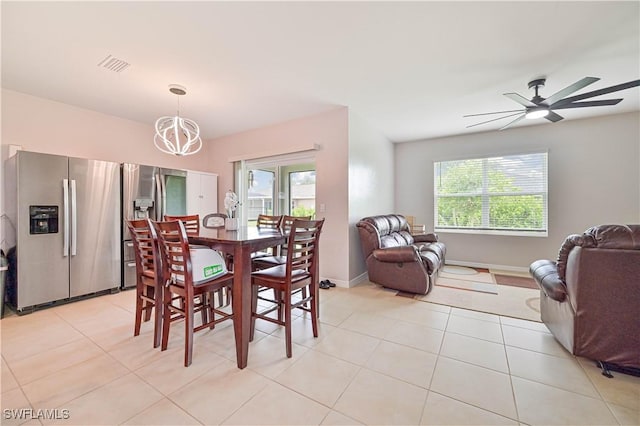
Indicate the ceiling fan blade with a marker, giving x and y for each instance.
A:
(604, 102)
(570, 89)
(552, 116)
(495, 119)
(520, 99)
(599, 92)
(513, 122)
(497, 112)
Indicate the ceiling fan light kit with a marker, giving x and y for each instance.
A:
(539, 107)
(534, 113)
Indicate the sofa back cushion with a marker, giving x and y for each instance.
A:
(384, 231)
(625, 237)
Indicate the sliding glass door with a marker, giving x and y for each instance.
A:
(283, 185)
(261, 193)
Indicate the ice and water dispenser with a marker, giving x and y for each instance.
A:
(43, 219)
(142, 208)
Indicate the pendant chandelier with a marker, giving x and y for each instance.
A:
(177, 135)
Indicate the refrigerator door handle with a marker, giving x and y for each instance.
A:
(159, 214)
(65, 203)
(163, 195)
(74, 219)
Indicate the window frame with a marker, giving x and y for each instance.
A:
(485, 195)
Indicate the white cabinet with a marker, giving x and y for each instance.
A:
(202, 193)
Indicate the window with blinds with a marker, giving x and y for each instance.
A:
(505, 194)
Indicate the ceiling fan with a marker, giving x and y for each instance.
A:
(539, 107)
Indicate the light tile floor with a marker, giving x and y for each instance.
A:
(380, 359)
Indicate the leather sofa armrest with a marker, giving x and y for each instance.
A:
(425, 238)
(545, 272)
(396, 254)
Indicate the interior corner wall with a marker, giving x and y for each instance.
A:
(42, 125)
(51, 127)
(594, 165)
(329, 130)
(371, 176)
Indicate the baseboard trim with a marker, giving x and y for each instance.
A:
(348, 284)
(359, 279)
(487, 266)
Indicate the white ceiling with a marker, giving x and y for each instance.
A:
(411, 69)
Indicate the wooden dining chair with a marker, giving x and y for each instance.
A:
(191, 222)
(300, 271)
(192, 226)
(280, 253)
(265, 223)
(182, 297)
(148, 288)
(214, 220)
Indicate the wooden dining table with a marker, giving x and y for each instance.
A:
(240, 243)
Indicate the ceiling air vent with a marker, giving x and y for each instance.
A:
(113, 64)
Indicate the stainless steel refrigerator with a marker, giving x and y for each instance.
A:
(67, 217)
(148, 192)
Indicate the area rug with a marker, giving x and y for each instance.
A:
(517, 281)
(459, 270)
(510, 301)
(483, 287)
(495, 292)
(513, 295)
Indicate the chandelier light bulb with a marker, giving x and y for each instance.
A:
(177, 135)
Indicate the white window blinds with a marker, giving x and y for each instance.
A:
(507, 193)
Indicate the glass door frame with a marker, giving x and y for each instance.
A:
(241, 170)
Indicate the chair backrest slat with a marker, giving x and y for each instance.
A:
(191, 222)
(302, 247)
(142, 245)
(174, 247)
(268, 222)
(285, 226)
(205, 220)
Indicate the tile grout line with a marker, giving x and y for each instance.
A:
(435, 367)
(513, 390)
(595, 386)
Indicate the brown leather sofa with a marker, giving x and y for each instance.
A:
(590, 297)
(395, 258)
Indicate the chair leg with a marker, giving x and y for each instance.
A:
(139, 307)
(166, 315)
(287, 321)
(204, 311)
(147, 305)
(314, 311)
(188, 334)
(254, 309)
(229, 296)
(211, 307)
(279, 298)
(157, 319)
(221, 296)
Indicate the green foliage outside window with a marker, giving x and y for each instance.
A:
(303, 211)
(464, 187)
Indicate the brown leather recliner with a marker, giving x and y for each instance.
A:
(590, 297)
(395, 258)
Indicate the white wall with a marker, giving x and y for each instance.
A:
(42, 125)
(594, 169)
(329, 130)
(371, 175)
